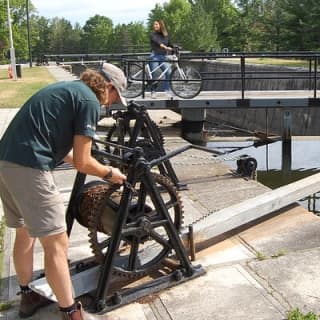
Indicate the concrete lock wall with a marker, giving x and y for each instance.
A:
(304, 120)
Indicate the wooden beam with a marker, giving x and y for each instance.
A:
(249, 210)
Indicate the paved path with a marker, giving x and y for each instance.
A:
(258, 273)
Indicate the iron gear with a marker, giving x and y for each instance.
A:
(144, 241)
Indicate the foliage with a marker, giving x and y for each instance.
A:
(129, 38)
(96, 33)
(4, 306)
(60, 31)
(205, 25)
(297, 315)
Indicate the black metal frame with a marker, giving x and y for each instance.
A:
(143, 122)
(139, 170)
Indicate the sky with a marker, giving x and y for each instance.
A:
(119, 11)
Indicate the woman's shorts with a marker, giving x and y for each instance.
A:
(30, 198)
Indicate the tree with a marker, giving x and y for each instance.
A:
(272, 19)
(202, 35)
(60, 36)
(301, 24)
(132, 37)
(96, 34)
(218, 19)
(40, 37)
(250, 24)
(4, 32)
(19, 28)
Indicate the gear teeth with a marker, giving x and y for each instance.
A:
(91, 207)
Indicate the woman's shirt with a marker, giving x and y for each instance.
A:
(156, 39)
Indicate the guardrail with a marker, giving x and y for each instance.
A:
(310, 72)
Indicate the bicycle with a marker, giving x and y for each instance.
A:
(185, 81)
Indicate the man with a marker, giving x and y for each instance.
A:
(57, 123)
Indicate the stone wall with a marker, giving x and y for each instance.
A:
(304, 120)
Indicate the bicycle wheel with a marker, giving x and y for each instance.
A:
(185, 82)
(134, 73)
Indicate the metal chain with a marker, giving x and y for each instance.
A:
(209, 213)
(210, 159)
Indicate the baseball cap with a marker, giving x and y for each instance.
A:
(116, 76)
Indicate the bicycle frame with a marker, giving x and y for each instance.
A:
(148, 74)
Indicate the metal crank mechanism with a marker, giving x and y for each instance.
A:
(135, 128)
(133, 230)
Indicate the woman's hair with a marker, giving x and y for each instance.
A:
(163, 28)
(96, 82)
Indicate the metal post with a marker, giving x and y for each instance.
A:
(315, 76)
(28, 33)
(243, 75)
(12, 53)
(310, 74)
(287, 142)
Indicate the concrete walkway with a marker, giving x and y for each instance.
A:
(260, 273)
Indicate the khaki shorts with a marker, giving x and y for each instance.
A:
(30, 198)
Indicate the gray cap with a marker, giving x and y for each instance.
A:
(116, 76)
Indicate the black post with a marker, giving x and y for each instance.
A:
(28, 33)
(287, 141)
(315, 76)
(243, 75)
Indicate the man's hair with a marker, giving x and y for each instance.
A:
(96, 82)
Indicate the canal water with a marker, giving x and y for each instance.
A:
(275, 167)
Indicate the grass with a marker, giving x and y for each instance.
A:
(14, 93)
(296, 314)
(279, 62)
(271, 61)
(280, 253)
(260, 256)
(4, 306)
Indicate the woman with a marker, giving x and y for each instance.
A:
(160, 45)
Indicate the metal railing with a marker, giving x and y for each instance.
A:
(242, 59)
(311, 72)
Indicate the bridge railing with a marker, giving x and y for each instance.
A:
(242, 74)
(308, 72)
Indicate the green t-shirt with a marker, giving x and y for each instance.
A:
(41, 134)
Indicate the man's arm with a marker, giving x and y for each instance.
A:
(85, 163)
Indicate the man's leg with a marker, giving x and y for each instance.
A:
(23, 262)
(58, 276)
(57, 268)
(23, 256)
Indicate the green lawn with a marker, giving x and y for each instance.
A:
(279, 62)
(270, 61)
(14, 93)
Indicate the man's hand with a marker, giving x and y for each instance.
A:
(117, 176)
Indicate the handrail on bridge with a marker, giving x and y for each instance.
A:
(311, 74)
(242, 74)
